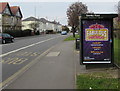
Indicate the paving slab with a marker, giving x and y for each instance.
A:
(53, 54)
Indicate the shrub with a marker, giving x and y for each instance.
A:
(37, 33)
(18, 33)
(15, 33)
(26, 32)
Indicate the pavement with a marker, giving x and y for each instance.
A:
(55, 70)
(21, 54)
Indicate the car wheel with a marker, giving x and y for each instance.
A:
(3, 41)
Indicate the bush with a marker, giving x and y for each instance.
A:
(26, 32)
(15, 33)
(49, 31)
(37, 33)
(18, 33)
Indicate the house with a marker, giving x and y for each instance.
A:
(48, 25)
(17, 16)
(5, 17)
(57, 27)
(10, 17)
(51, 27)
(44, 26)
(33, 24)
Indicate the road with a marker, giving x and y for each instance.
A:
(17, 55)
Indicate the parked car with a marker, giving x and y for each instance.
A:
(64, 33)
(4, 38)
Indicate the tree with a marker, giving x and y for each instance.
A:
(34, 26)
(73, 13)
(65, 28)
(119, 10)
(118, 32)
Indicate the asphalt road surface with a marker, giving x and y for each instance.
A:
(17, 55)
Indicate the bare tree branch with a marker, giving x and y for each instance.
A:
(73, 13)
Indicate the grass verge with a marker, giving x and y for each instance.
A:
(96, 81)
(117, 51)
(71, 37)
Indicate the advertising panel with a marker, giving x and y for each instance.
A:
(96, 41)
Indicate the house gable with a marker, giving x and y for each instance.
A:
(19, 13)
(7, 10)
(16, 11)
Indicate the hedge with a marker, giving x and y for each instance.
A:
(18, 33)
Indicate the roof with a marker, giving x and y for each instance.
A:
(46, 21)
(15, 9)
(54, 22)
(3, 6)
(31, 19)
(43, 20)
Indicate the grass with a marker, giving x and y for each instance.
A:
(117, 51)
(96, 81)
(70, 38)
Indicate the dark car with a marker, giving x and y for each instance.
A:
(4, 38)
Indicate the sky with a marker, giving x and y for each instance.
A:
(56, 9)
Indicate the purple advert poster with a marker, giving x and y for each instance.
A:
(96, 41)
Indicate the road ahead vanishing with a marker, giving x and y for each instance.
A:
(17, 56)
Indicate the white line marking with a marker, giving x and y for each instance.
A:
(27, 47)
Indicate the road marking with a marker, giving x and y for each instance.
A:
(18, 61)
(32, 54)
(27, 46)
(18, 58)
(22, 70)
(15, 60)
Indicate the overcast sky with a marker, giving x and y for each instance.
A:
(56, 9)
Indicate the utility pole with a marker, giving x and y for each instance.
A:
(35, 17)
(35, 11)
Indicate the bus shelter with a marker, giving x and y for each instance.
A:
(96, 42)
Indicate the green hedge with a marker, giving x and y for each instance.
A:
(18, 33)
(15, 33)
(26, 33)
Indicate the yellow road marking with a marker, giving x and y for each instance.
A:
(27, 54)
(13, 60)
(18, 61)
(8, 80)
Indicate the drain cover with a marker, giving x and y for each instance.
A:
(53, 54)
